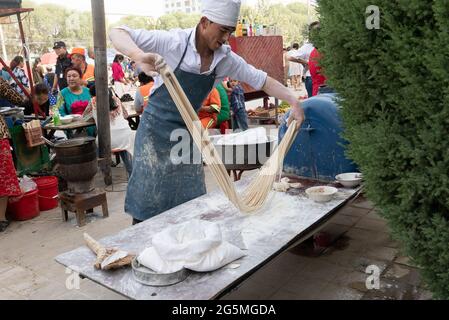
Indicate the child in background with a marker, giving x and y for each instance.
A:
(240, 118)
(209, 111)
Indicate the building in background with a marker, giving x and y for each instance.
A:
(186, 6)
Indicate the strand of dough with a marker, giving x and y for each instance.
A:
(254, 197)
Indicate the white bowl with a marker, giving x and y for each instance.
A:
(76, 117)
(66, 119)
(321, 193)
(349, 180)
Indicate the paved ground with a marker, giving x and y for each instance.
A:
(28, 271)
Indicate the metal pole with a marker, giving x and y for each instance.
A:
(2, 39)
(101, 86)
(26, 53)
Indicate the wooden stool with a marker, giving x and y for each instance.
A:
(80, 203)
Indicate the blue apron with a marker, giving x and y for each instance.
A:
(156, 184)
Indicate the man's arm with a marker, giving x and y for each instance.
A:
(148, 62)
(276, 89)
(298, 60)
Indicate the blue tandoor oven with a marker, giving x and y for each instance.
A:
(318, 151)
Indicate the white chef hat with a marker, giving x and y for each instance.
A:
(224, 12)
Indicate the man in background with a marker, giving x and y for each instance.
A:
(79, 61)
(62, 63)
(143, 94)
(303, 55)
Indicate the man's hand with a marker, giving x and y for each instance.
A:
(296, 113)
(150, 63)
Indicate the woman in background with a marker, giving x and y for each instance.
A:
(17, 65)
(117, 70)
(9, 184)
(38, 71)
(118, 76)
(75, 98)
(41, 97)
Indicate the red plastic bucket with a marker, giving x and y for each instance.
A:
(48, 192)
(24, 207)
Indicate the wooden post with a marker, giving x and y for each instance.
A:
(2, 40)
(101, 85)
(26, 53)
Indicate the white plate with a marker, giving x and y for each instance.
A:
(66, 119)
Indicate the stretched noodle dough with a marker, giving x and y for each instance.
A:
(254, 197)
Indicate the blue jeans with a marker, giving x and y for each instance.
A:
(325, 89)
(127, 161)
(309, 86)
(240, 120)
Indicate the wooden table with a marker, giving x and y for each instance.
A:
(77, 126)
(288, 219)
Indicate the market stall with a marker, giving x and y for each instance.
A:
(265, 53)
(33, 157)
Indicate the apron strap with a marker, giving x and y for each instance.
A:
(185, 50)
(214, 73)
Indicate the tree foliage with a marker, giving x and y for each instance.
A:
(165, 22)
(49, 23)
(291, 19)
(45, 25)
(394, 88)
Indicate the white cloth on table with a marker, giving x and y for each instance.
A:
(120, 88)
(250, 136)
(171, 45)
(122, 137)
(196, 245)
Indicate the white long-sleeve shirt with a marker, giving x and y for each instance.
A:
(304, 53)
(171, 45)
